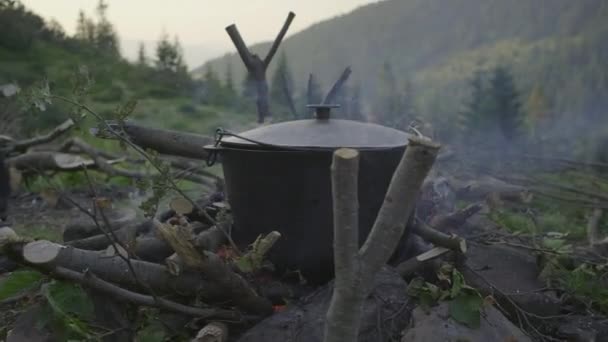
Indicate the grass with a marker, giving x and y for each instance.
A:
(39, 231)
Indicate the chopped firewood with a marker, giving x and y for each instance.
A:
(415, 264)
(252, 260)
(456, 219)
(181, 206)
(210, 239)
(429, 234)
(174, 264)
(212, 332)
(214, 269)
(7, 235)
(90, 280)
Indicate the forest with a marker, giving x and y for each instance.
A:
(122, 206)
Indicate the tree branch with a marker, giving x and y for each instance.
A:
(437, 238)
(90, 280)
(390, 223)
(278, 40)
(240, 45)
(46, 255)
(288, 95)
(214, 269)
(101, 163)
(23, 145)
(340, 317)
(413, 265)
(337, 86)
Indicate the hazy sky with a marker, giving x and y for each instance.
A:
(199, 24)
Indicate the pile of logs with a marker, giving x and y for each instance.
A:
(42, 155)
(186, 257)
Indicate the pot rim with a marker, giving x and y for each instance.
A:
(286, 149)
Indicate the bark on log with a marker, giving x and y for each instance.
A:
(163, 141)
(216, 270)
(344, 310)
(417, 263)
(90, 280)
(124, 235)
(398, 202)
(101, 163)
(86, 227)
(437, 238)
(455, 220)
(50, 161)
(116, 270)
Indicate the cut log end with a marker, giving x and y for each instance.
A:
(346, 153)
(7, 235)
(463, 246)
(181, 206)
(423, 142)
(41, 252)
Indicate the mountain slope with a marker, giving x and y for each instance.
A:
(561, 44)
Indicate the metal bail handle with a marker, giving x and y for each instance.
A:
(322, 111)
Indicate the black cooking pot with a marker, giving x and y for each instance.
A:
(278, 177)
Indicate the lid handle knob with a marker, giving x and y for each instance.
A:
(322, 111)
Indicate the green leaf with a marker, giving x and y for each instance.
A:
(19, 281)
(466, 309)
(414, 288)
(457, 283)
(71, 305)
(124, 111)
(153, 332)
(70, 299)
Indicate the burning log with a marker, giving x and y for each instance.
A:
(256, 66)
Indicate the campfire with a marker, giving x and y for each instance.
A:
(320, 229)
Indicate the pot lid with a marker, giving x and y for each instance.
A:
(321, 133)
